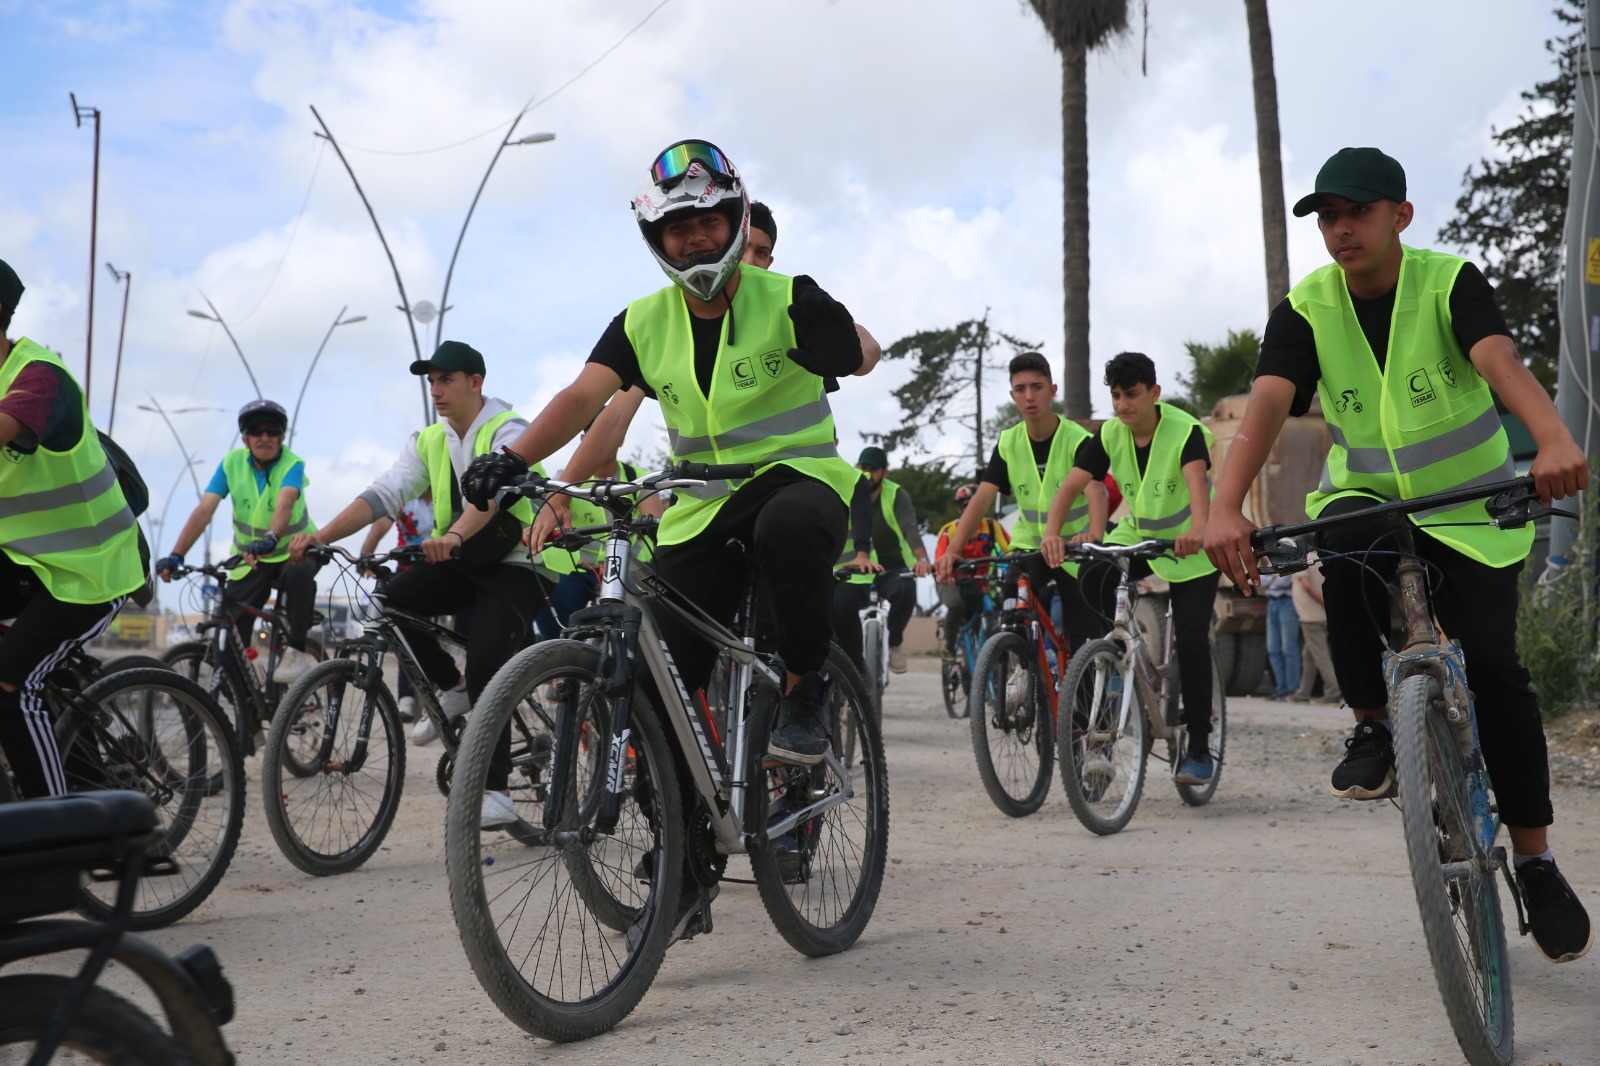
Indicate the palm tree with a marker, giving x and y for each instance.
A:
(1075, 28)
(1269, 155)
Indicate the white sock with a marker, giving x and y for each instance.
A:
(1517, 860)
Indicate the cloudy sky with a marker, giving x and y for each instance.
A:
(909, 148)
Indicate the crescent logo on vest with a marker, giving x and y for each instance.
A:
(1421, 387)
(744, 374)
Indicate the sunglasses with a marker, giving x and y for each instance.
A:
(672, 165)
(264, 431)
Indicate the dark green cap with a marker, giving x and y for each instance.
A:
(10, 286)
(451, 355)
(1359, 174)
(875, 457)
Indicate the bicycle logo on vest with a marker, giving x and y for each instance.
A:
(1347, 399)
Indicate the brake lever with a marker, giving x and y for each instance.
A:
(1516, 507)
(1282, 557)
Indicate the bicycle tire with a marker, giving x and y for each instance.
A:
(1200, 795)
(129, 662)
(333, 820)
(193, 660)
(106, 1028)
(953, 685)
(872, 656)
(832, 889)
(188, 763)
(1012, 734)
(1102, 767)
(1461, 919)
(561, 974)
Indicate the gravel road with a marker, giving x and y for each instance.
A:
(1276, 924)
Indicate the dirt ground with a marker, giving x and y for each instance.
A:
(1276, 924)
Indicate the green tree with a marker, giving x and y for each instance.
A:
(1077, 27)
(1512, 212)
(932, 486)
(1217, 370)
(1269, 154)
(946, 386)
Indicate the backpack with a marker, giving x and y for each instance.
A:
(137, 494)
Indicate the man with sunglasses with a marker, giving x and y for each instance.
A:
(737, 358)
(267, 484)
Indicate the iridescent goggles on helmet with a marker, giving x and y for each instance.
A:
(672, 165)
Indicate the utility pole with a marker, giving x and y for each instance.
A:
(1578, 376)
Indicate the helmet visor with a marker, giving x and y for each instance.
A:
(672, 165)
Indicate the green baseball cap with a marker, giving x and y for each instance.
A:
(875, 457)
(1358, 174)
(451, 355)
(10, 286)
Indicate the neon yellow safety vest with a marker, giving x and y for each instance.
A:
(585, 513)
(435, 452)
(888, 493)
(62, 514)
(1158, 497)
(1034, 492)
(848, 554)
(253, 505)
(762, 408)
(1425, 424)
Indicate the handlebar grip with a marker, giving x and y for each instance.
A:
(714, 471)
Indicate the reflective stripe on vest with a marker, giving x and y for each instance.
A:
(1035, 493)
(253, 505)
(62, 514)
(1426, 423)
(1157, 497)
(434, 449)
(762, 408)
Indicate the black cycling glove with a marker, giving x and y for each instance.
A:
(832, 345)
(488, 474)
(262, 545)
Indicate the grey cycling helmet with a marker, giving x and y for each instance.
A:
(257, 411)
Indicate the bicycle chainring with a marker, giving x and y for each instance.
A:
(705, 861)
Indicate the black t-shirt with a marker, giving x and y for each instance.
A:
(1093, 457)
(1289, 349)
(615, 351)
(997, 474)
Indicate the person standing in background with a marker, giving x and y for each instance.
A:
(1283, 635)
(1315, 657)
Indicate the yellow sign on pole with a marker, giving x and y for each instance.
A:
(1591, 266)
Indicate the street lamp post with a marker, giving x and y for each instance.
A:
(160, 524)
(125, 278)
(338, 320)
(79, 113)
(423, 311)
(216, 316)
(189, 460)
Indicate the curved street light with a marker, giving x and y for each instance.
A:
(423, 311)
(155, 405)
(79, 113)
(125, 279)
(338, 320)
(216, 316)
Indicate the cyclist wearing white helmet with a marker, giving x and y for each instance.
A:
(267, 483)
(737, 357)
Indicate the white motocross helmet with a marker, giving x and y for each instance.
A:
(694, 176)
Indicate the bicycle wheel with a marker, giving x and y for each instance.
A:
(1103, 760)
(1461, 917)
(333, 819)
(529, 927)
(193, 659)
(952, 682)
(1011, 728)
(820, 885)
(1200, 795)
(157, 732)
(107, 1028)
(872, 656)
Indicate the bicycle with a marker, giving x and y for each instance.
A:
(47, 846)
(874, 634)
(156, 732)
(333, 767)
(955, 676)
(1013, 698)
(241, 685)
(1110, 682)
(1442, 785)
(566, 918)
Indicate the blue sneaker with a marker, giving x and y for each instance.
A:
(1197, 769)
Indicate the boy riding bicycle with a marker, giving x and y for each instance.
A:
(1408, 350)
(1159, 455)
(965, 598)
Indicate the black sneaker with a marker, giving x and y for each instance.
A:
(801, 735)
(1559, 924)
(1367, 771)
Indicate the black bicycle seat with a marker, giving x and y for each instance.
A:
(91, 826)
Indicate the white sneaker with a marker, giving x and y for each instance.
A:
(292, 666)
(408, 708)
(1017, 689)
(497, 810)
(897, 659)
(424, 732)
(454, 702)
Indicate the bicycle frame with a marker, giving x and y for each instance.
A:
(1153, 679)
(1037, 630)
